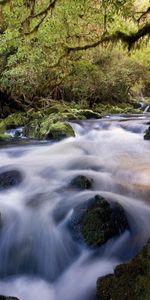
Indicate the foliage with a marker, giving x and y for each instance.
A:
(42, 47)
(111, 77)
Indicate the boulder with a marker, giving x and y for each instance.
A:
(81, 182)
(9, 179)
(130, 281)
(96, 221)
(51, 128)
(59, 131)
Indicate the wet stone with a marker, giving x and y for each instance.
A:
(96, 221)
(8, 298)
(81, 182)
(10, 179)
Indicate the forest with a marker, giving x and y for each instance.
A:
(88, 51)
(74, 149)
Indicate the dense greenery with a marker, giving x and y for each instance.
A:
(73, 50)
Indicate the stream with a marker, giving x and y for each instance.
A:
(39, 259)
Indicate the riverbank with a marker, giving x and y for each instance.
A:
(52, 122)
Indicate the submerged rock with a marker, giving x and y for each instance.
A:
(9, 179)
(81, 182)
(96, 221)
(8, 298)
(130, 281)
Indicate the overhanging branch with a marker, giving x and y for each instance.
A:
(128, 39)
(42, 14)
(143, 14)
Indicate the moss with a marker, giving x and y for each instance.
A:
(59, 131)
(87, 114)
(5, 137)
(147, 134)
(130, 281)
(13, 121)
(50, 127)
(120, 108)
(95, 221)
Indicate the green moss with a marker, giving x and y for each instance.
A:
(95, 221)
(147, 134)
(13, 121)
(120, 108)
(59, 131)
(50, 127)
(5, 137)
(130, 281)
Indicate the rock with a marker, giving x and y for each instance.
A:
(59, 131)
(88, 114)
(9, 179)
(13, 121)
(5, 138)
(96, 221)
(52, 123)
(49, 127)
(147, 134)
(130, 281)
(8, 298)
(81, 182)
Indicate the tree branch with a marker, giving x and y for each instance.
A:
(42, 14)
(128, 39)
(143, 14)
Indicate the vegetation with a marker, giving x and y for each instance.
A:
(75, 51)
(95, 222)
(130, 281)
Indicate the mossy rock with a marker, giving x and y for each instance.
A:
(59, 131)
(96, 221)
(120, 108)
(48, 128)
(81, 182)
(89, 114)
(13, 121)
(5, 138)
(147, 134)
(130, 281)
(84, 114)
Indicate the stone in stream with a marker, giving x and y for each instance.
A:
(9, 179)
(81, 182)
(130, 281)
(96, 221)
(8, 298)
(147, 134)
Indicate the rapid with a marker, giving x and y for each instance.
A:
(39, 259)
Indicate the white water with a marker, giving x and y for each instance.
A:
(38, 257)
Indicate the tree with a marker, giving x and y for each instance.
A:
(40, 41)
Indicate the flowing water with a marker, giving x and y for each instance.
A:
(38, 257)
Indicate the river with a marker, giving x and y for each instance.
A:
(38, 257)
